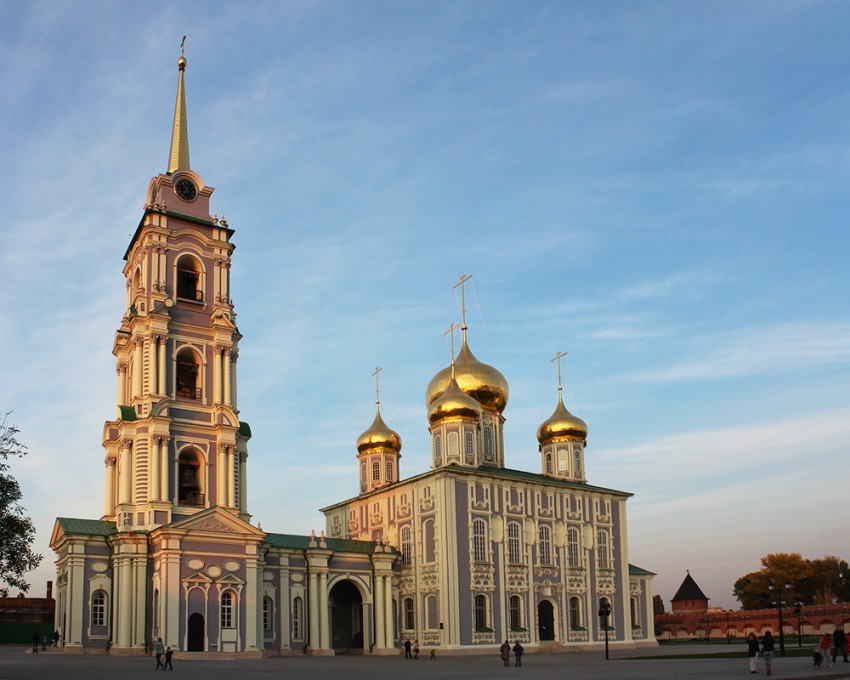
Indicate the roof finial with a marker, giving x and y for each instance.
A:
(376, 375)
(463, 279)
(560, 388)
(178, 158)
(452, 328)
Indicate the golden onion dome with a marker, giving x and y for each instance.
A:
(379, 436)
(483, 383)
(561, 423)
(453, 403)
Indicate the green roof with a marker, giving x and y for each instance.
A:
(634, 570)
(244, 429)
(292, 542)
(86, 527)
(127, 412)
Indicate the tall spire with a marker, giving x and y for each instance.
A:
(178, 159)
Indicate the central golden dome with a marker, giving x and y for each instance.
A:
(561, 423)
(453, 403)
(483, 383)
(378, 436)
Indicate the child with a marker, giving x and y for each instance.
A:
(817, 657)
(168, 654)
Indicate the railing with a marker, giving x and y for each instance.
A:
(189, 393)
(193, 498)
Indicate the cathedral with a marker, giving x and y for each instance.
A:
(460, 558)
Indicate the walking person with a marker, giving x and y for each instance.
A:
(752, 651)
(159, 649)
(767, 646)
(407, 646)
(168, 654)
(839, 641)
(518, 650)
(44, 644)
(35, 639)
(825, 643)
(416, 650)
(56, 637)
(505, 653)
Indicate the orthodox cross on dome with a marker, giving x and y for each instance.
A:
(463, 279)
(452, 328)
(376, 376)
(558, 359)
(183, 46)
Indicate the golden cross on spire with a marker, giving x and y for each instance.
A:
(558, 359)
(463, 279)
(376, 376)
(452, 328)
(183, 46)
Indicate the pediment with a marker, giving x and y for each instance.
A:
(216, 521)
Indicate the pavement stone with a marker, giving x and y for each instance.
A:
(17, 663)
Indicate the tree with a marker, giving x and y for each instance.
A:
(828, 579)
(753, 590)
(17, 532)
(657, 605)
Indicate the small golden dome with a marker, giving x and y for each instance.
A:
(379, 436)
(453, 402)
(481, 382)
(561, 423)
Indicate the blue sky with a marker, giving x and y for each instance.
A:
(658, 189)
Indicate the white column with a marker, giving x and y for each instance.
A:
(388, 610)
(138, 365)
(221, 475)
(156, 469)
(121, 396)
(323, 610)
(125, 605)
(216, 375)
(314, 611)
(109, 496)
(252, 599)
(161, 365)
(75, 602)
(163, 469)
(125, 473)
(231, 482)
(378, 612)
(243, 502)
(226, 370)
(233, 358)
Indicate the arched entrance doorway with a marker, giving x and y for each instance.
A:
(545, 621)
(346, 607)
(195, 633)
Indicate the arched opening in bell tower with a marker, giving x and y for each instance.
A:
(189, 491)
(187, 372)
(188, 279)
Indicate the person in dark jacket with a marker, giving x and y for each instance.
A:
(767, 652)
(518, 650)
(839, 641)
(752, 651)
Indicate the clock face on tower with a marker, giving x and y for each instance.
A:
(185, 189)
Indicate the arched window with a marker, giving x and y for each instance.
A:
(188, 279)
(577, 462)
(575, 613)
(428, 532)
(389, 470)
(514, 551)
(268, 614)
(479, 541)
(297, 618)
(573, 547)
(406, 547)
(515, 612)
(187, 373)
(376, 471)
(409, 614)
(480, 612)
(438, 450)
(98, 608)
(363, 478)
(227, 609)
(545, 544)
(548, 463)
(189, 478)
(469, 448)
(453, 448)
(602, 555)
(488, 442)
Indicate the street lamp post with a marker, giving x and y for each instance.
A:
(798, 610)
(604, 613)
(779, 602)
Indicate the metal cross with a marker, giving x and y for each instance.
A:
(376, 376)
(558, 359)
(463, 279)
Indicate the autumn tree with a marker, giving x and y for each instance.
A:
(17, 532)
(762, 589)
(828, 580)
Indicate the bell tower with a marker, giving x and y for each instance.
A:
(176, 446)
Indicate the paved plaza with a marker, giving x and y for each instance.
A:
(16, 663)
